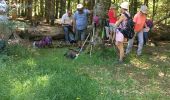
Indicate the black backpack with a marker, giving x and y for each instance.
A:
(128, 32)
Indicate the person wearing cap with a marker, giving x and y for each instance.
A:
(67, 23)
(121, 24)
(112, 20)
(80, 22)
(140, 20)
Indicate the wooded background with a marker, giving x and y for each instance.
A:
(54, 9)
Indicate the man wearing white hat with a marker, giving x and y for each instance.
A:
(140, 20)
(80, 22)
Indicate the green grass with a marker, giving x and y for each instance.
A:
(45, 74)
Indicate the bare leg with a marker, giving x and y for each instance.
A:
(121, 51)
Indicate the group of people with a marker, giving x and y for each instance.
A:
(75, 26)
(141, 28)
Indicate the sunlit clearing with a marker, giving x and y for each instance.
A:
(143, 65)
(22, 88)
(31, 63)
(43, 80)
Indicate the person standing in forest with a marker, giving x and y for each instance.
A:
(4, 19)
(140, 20)
(67, 23)
(147, 30)
(80, 23)
(112, 20)
(121, 24)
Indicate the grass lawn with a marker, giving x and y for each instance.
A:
(45, 74)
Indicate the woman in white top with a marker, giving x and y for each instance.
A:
(121, 24)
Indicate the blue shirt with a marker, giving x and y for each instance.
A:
(81, 19)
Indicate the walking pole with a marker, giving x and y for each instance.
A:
(82, 46)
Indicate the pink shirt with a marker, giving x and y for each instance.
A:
(112, 16)
(139, 22)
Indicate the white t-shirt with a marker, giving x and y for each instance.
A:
(3, 10)
(66, 20)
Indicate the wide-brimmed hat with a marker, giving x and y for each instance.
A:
(79, 6)
(124, 5)
(144, 9)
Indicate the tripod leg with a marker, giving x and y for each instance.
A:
(84, 43)
(91, 47)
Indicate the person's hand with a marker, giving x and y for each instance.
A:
(73, 29)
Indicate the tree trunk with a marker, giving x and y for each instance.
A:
(47, 10)
(100, 9)
(68, 4)
(62, 7)
(52, 12)
(41, 8)
(22, 10)
(19, 9)
(133, 7)
(56, 8)
(78, 1)
(146, 2)
(35, 7)
(29, 14)
(154, 6)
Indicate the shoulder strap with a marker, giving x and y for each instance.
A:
(127, 15)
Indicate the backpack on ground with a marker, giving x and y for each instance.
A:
(44, 42)
(128, 32)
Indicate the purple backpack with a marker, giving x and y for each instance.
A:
(46, 41)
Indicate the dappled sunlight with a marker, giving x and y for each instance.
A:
(31, 62)
(99, 74)
(19, 88)
(162, 58)
(22, 88)
(140, 64)
(43, 80)
(161, 74)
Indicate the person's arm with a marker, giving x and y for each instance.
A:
(135, 19)
(63, 19)
(120, 20)
(88, 11)
(74, 22)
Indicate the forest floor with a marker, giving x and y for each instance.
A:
(27, 73)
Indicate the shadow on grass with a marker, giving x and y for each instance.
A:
(47, 74)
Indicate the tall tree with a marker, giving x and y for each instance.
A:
(68, 4)
(47, 10)
(62, 7)
(56, 8)
(41, 8)
(29, 14)
(52, 12)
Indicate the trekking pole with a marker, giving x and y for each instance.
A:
(82, 46)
